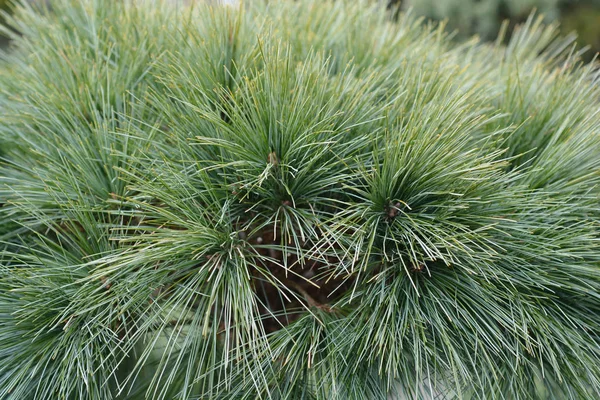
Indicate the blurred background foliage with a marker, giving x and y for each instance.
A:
(4, 7)
(482, 17)
(485, 17)
(585, 20)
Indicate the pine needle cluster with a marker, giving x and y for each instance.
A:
(294, 200)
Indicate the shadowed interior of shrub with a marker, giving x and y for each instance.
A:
(294, 285)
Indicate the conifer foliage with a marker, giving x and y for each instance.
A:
(294, 200)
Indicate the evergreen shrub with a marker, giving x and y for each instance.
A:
(294, 200)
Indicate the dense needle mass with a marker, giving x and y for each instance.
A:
(294, 200)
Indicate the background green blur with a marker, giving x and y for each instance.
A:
(484, 17)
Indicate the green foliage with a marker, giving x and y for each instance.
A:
(482, 17)
(4, 7)
(486, 17)
(586, 21)
(294, 200)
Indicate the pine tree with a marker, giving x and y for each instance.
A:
(294, 200)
